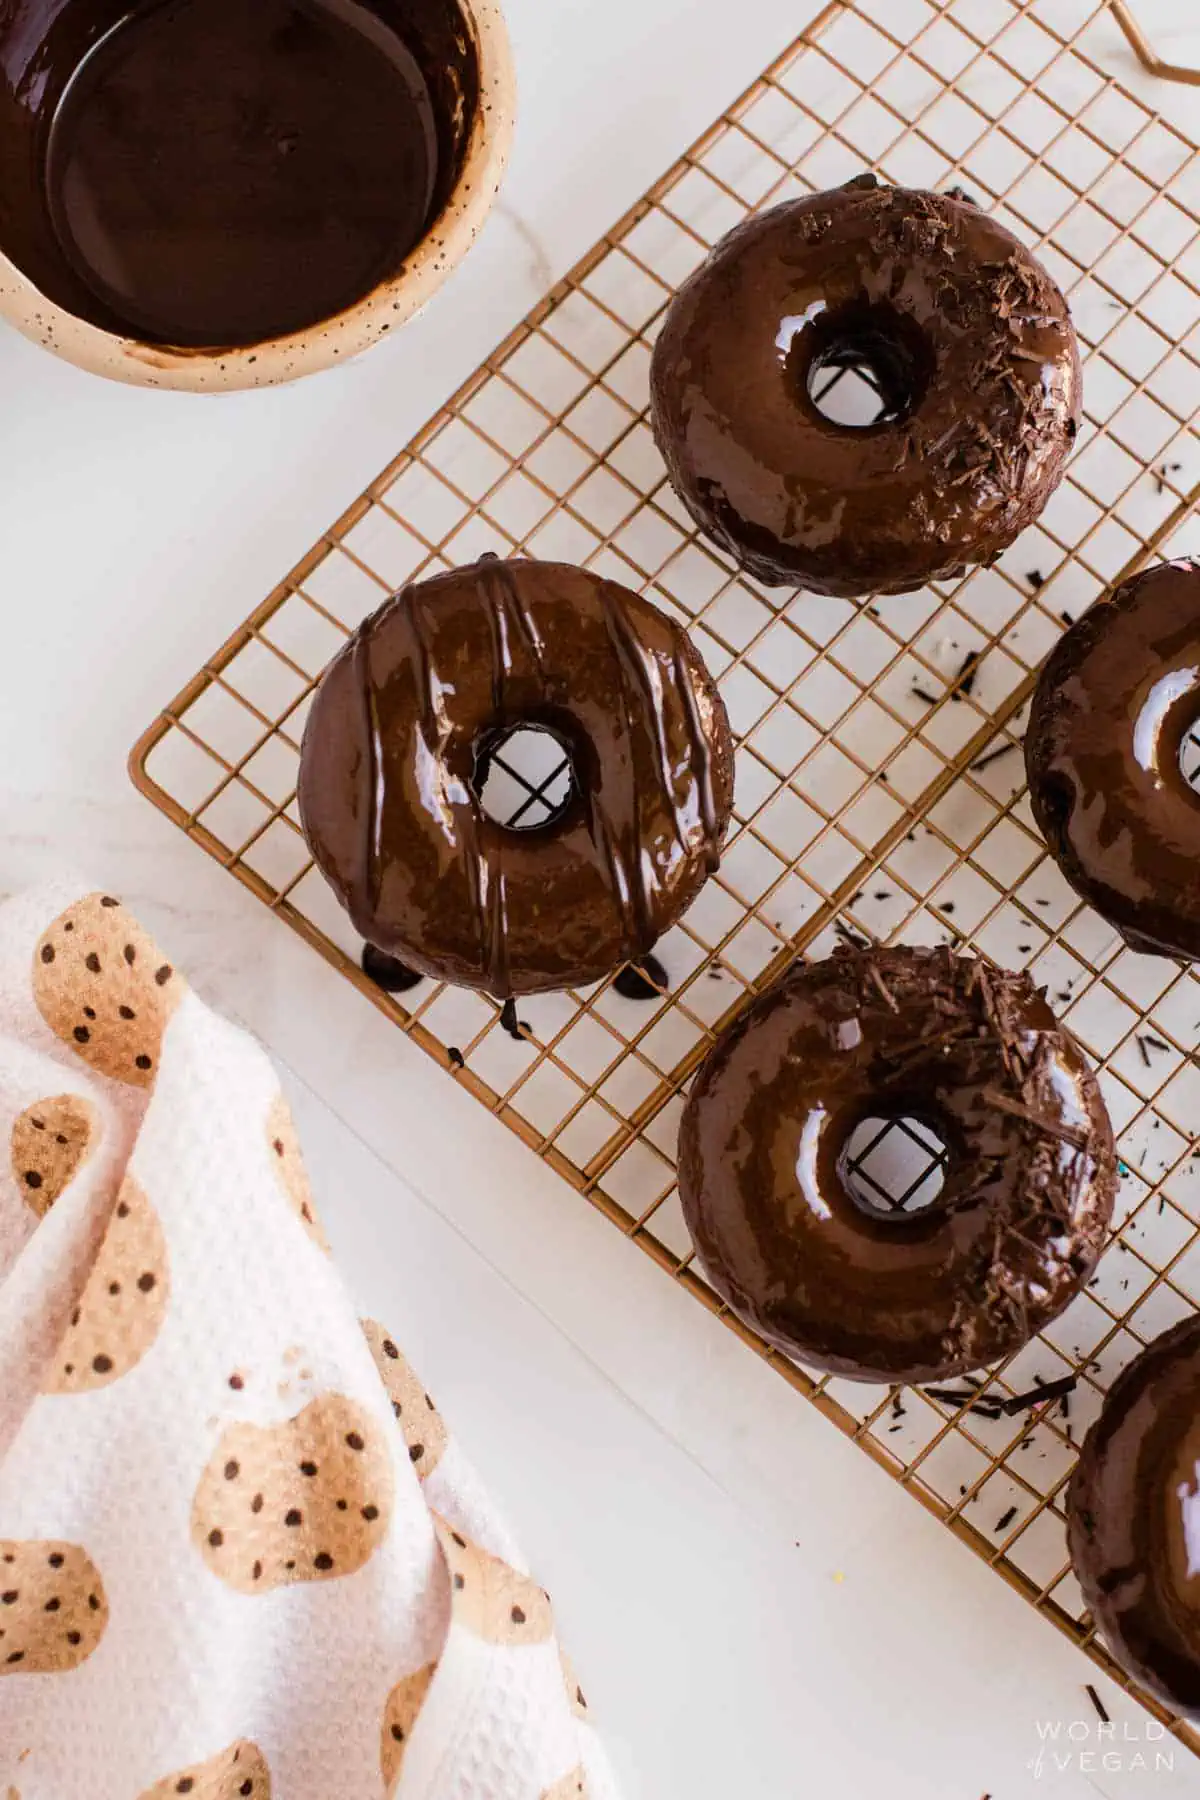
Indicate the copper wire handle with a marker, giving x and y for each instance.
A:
(1145, 52)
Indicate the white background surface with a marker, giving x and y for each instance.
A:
(755, 1610)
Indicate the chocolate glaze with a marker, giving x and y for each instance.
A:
(982, 390)
(208, 172)
(401, 729)
(882, 1296)
(1113, 705)
(1133, 1518)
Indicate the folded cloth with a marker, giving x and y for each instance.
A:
(241, 1557)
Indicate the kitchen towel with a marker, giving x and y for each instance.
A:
(241, 1556)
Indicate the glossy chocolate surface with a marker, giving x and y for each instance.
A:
(1133, 1517)
(980, 380)
(396, 748)
(976, 1055)
(211, 172)
(1114, 703)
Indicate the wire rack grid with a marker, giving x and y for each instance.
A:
(879, 775)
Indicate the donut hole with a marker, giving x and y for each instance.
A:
(524, 777)
(893, 1164)
(1189, 757)
(863, 365)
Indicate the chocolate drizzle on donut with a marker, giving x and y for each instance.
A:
(973, 1054)
(441, 676)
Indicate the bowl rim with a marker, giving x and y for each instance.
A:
(330, 341)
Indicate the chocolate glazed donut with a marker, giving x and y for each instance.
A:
(1133, 1518)
(973, 354)
(1113, 705)
(396, 752)
(976, 1056)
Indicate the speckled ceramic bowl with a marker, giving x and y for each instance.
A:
(41, 308)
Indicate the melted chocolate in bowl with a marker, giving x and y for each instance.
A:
(213, 172)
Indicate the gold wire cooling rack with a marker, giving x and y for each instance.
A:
(879, 780)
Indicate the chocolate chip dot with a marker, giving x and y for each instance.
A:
(355, 1441)
(38, 1124)
(17, 1656)
(47, 953)
(52, 1605)
(143, 1061)
(74, 1637)
(257, 1571)
(518, 1617)
(114, 1287)
(460, 1541)
(122, 1209)
(389, 1349)
(32, 1178)
(130, 954)
(81, 1034)
(247, 1786)
(93, 962)
(236, 1383)
(308, 1468)
(68, 1368)
(94, 1602)
(323, 1560)
(10, 1598)
(89, 1012)
(396, 1408)
(216, 1539)
(293, 1516)
(163, 975)
(343, 1505)
(146, 1281)
(429, 1404)
(127, 1012)
(107, 900)
(102, 1364)
(256, 1505)
(185, 1786)
(70, 925)
(370, 1514)
(416, 1452)
(232, 1470)
(59, 1137)
(398, 1733)
(277, 1146)
(459, 1581)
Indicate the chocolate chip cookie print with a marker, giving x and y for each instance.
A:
(420, 1421)
(102, 986)
(287, 1161)
(239, 1773)
(575, 1695)
(490, 1598)
(309, 1499)
(50, 1142)
(120, 1312)
(403, 1707)
(572, 1787)
(53, 1609)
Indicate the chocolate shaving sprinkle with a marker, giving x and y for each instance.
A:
(456, 1056)
(964, 681)
(990, 756)
(1097, 1702)
(1068, 1134)
(1036, 1396)
(1006, 1519)
(923, 694)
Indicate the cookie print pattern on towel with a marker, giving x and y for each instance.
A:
(572, 1787)
(306, 1500)
(420, 1421)
(490, 1598)
(123, 1304)
(400, 1715)
(53, 1608)
(50, 1141)
(288, 1164)
(239, 1773)
(103, 988)
(575, 1694)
